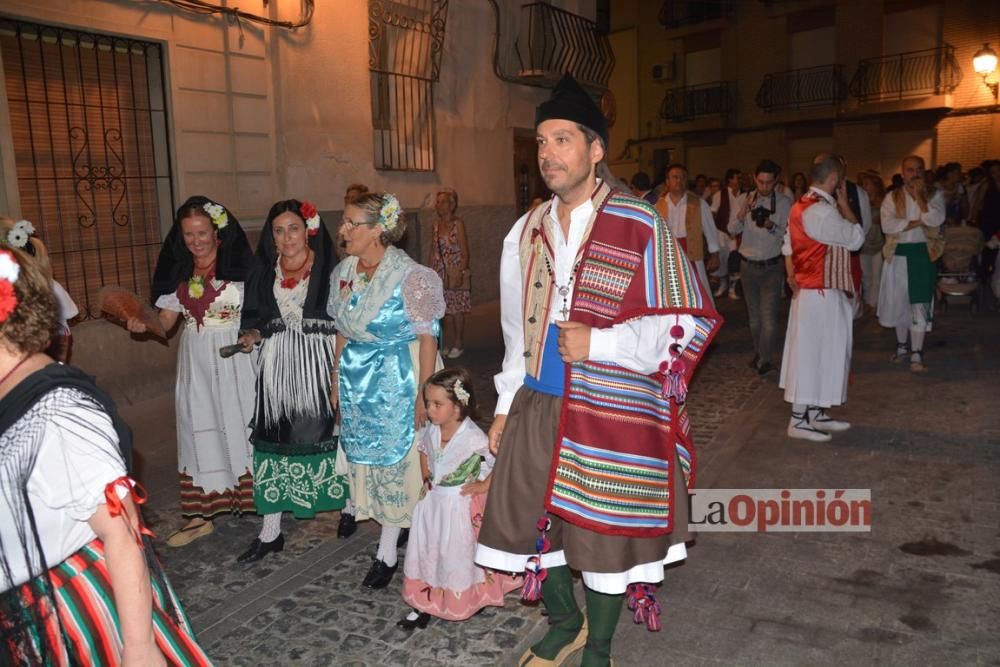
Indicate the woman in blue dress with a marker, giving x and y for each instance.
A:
(386, 309)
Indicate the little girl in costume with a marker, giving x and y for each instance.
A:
(441, 578)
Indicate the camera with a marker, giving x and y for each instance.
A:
(760, 215)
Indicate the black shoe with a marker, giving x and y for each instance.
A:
(420, 621)
(756, 360)
(347, 526)
(379, 575)
(260, 549)
(766, 368)
(404, 537)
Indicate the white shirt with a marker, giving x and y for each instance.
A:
(760, 243)
(891, 224)
(639, 345)
(677, 221)
(822, 222)
(67, 483)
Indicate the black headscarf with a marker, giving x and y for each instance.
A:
(569, 101)
(260, 309)
(176, 263)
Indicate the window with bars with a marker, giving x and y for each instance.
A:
(88, 124)
(405, 42)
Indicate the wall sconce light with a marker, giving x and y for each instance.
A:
(985, 64)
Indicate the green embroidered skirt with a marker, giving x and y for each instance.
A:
(296, 474)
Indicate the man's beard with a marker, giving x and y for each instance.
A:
(570, 184)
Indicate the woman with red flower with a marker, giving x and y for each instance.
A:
(79, 582)
(199, 281)
(295, 448)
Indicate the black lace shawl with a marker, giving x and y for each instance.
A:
(175, 264)
(260, 309)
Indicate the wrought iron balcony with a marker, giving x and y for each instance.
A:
(688, 102)
(802, 88)
(911, 74)
(680, 13)
(553, 42)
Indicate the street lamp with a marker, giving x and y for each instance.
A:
(985, 64)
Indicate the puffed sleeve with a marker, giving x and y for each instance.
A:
(481, 445)
(170, 302)
(80, 457)
(423, 298)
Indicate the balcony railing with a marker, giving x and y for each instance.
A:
(680, 13)
(552, 42)
(802, 88)
(912, 74)
(707, 99)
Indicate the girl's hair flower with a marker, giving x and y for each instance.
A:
(461, 393)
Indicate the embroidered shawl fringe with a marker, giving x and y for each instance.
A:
(290, 362)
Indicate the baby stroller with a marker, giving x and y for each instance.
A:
(958, 268)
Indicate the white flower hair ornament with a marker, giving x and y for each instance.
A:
(218, 215)
(388, 215)
(460, 392)
(18, 235)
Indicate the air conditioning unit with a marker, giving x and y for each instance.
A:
(665, 72)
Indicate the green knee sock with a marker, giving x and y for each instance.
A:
(602, 619)
(565, 619)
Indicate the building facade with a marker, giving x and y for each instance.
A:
(115, 111)
(723, 83)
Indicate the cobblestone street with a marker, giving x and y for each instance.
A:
(921, 588)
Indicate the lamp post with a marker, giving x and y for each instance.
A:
(985, 64)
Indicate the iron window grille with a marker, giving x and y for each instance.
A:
(802, 88)
(405, 39)
(89, 126)
(911, 74)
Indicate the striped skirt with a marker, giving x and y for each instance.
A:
(195, 501)
(86, 630)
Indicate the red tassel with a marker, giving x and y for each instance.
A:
(645, 609)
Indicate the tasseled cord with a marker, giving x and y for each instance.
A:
(645, 609)
(675, 371)
(534, 573)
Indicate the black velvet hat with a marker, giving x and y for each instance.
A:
(571, 102)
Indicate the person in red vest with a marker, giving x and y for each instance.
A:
(822, 233)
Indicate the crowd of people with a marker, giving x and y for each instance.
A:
(869, 247)
(311, 378)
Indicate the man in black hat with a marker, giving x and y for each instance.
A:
(603, 323)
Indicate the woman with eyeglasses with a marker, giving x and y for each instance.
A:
(386, 309)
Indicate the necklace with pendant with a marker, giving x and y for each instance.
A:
(562, 290)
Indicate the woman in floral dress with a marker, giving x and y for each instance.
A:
(450, 260)
(199, 277)
(295, 448)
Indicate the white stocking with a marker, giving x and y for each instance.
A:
(271, 529)
(348, 508)
(387, 545)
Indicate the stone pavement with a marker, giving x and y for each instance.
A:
(923, 588)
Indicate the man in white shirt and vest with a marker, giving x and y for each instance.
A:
(603, 323)
(822, 232)
(690, 221)
(910, 215)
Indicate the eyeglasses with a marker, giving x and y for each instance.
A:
(354, 225)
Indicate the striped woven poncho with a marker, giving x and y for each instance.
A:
(613, 470)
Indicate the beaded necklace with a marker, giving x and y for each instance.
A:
(563, 290)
